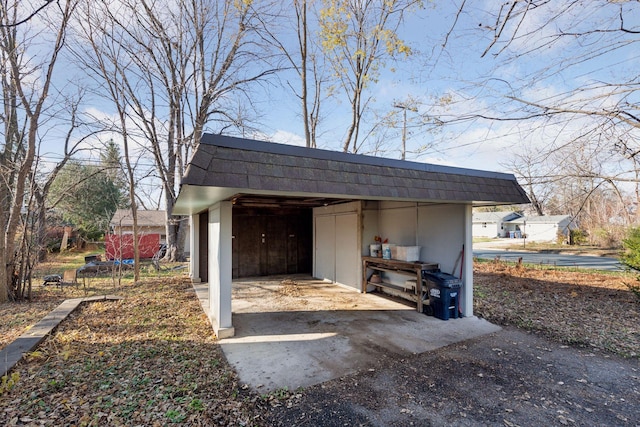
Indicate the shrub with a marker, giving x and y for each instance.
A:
(631, 255)
(577, 237)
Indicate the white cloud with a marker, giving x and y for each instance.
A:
(285, 137)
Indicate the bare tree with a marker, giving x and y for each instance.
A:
(306, 59)
(530, 169)
(26, 86)
(576, 78)
(176, 67)
(358, 36)
(591, 39)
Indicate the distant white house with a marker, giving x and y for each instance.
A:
(492, 224)
(546, 228)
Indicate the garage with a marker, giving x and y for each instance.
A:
(263, 208)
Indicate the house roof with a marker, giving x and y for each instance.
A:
(225, 168)
(124, 218)
(494, 216)
(545, 219)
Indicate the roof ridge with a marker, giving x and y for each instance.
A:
(323, 154)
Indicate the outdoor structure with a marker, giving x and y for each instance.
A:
(260, 208)
(149, 222)
(492, 224)
(547, 228)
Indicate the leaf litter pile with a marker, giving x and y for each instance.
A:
(152, 359)
(576, 308)
(149, 359)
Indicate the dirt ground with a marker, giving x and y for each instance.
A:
(509, 378)
(568, 354)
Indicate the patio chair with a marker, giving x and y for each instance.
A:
(69, 277)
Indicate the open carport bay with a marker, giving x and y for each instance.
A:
(295, 331)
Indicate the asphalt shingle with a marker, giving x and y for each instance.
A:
(256, 165)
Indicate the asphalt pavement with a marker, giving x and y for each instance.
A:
(487, 251)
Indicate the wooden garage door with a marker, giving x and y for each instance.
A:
(266, 244)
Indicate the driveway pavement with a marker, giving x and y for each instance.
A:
(491, 250)
(296, 333)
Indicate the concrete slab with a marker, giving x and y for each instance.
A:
(301, 332)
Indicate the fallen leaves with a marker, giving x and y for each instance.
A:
(150, 359)
(577, 308)
(289, 288)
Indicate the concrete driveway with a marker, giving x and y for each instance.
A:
(296, 331)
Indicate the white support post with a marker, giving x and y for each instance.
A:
(194, 248)
(467, 266)
(220, 268)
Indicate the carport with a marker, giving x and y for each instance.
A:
(260, 208)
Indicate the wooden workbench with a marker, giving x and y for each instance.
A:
(406, 268)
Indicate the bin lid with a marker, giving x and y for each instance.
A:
(442, 279)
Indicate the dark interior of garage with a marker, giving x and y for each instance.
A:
(271, 240)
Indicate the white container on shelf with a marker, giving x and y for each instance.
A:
(407, 253)
(375, 250)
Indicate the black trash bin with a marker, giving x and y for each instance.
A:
(444, 294)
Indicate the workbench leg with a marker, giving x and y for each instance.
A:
(364, 277)
(419, 290)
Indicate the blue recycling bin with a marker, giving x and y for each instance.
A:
(444, 294)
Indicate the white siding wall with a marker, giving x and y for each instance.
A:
(337, 241)
(541, 232)
(488, 229)
(369, 225)
(441, 231)
(437, 229)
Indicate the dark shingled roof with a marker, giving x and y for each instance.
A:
(265, 167)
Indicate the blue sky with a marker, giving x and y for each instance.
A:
(479, 84)
(474, 84)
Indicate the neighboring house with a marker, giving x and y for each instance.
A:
(492, 224)
(548, 228)
(149, 222)
(259, 208)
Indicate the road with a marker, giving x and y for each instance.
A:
(560, 260)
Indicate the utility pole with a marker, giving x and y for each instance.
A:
(404, 107)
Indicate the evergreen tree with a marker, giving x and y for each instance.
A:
(86, 197)
(111, 163)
